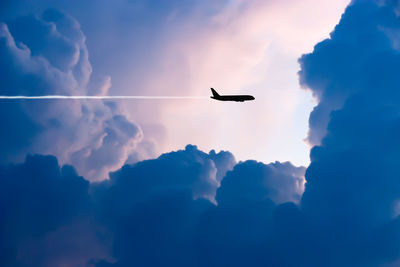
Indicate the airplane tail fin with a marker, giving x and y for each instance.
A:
(215, 94)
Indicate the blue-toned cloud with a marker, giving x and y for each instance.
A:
(48, 56)
(351, 62)
(153, 212)
(279, 182)
(188, 170)
(42, 208)
(161, 214)
(352, 188)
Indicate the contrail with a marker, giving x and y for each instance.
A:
(117, 97)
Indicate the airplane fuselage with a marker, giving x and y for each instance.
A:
(237, 98)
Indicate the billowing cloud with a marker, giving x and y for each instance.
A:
(351, 61)
(133, 217)
(48, 56)
(166, 223)
(352, 185)
(279, 182)
(189, 169)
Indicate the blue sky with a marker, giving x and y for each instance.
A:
(307, 175)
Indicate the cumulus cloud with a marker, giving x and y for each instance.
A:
(45, 56)
(189, 169)
(240, 229)
(279, 182)
(154, 212)
(166, 223)
(352, 183)
(350, 61)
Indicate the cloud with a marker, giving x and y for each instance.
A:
(239, 231)
(352, 186)
(48, 55)
(42, 204)
(149, 213)
(349, 61)
(189, 170)
(150, 203)
(356, 67)
(161, 214)
(279, 182)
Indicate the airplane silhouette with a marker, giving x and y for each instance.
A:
(237, 98)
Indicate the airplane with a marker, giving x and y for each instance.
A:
(237, 98)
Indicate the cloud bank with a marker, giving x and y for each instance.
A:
(190, 208)
(170, 210)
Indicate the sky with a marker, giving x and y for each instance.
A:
(305, 175)
(182, 48)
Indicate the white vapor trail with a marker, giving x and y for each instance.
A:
(118, 97)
